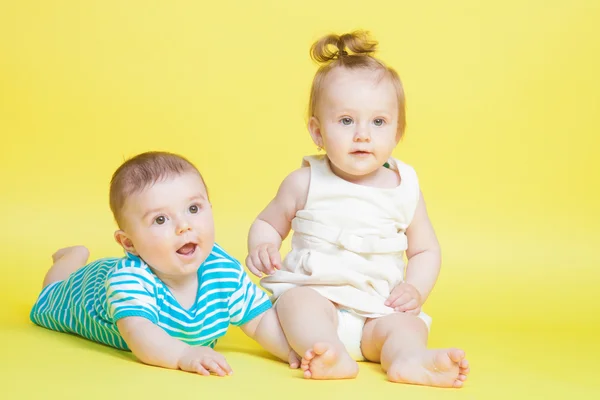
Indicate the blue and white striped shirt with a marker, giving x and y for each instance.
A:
(91, 301)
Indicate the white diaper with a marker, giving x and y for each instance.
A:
(350, 330)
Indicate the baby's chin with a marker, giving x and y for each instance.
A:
(177, 271)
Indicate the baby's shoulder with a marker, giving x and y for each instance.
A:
(404, 169)
(400, 163)
(298, 178)
(295, 185)
(129, 267)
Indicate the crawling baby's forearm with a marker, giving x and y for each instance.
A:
(153, 346)
(150, 344)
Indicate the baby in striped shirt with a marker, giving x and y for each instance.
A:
(175, 292)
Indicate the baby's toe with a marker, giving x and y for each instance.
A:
(309, 355)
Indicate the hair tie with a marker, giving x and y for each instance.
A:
(342, 53)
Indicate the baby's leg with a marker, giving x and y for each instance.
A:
(309, 322)
(399, 342)
(66, 261)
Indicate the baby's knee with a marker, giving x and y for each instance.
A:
(399, 321)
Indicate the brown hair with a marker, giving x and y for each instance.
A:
(361, 47)
(141, 171)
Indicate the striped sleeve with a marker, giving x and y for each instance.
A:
(248, 301)
(130, 293)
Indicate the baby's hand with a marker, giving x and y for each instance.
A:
(204, 360)
(264, 258)
(405, 298)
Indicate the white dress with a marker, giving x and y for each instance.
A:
(349, 240)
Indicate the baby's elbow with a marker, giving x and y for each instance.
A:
(432, 252)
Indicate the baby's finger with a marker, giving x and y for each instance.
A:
(224, 365)
(409, 305)
(402, 300)
(266, 262)
(274, 257)
(252, 268)
(394, 295)
(199, 369)
(414, 311)
(257, 263)
(212, 365)
(392, 298)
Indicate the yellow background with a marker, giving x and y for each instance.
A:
(503, 125)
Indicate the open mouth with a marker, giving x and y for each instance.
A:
(187, 249)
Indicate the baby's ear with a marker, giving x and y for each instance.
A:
(125, 242)
(314, 127)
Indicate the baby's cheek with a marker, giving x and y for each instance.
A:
(159, 244)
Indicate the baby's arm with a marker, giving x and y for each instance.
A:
(274, 223)
(266, 330)
(423, 253)
(153, 346)
(424, 259)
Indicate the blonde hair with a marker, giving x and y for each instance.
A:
(331, 52)
(141, 171)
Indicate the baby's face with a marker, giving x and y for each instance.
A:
(171, 225)
(358, 119)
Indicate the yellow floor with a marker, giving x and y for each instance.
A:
(502, 128)
(536, 358)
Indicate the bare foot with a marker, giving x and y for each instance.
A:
(324, 361)
(65, 262)
(293, 359)
(442, 367)
(60, 253)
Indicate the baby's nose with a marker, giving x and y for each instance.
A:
(183, 227)
(362, 134)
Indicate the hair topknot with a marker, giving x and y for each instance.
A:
(335, 47)
(351, 51)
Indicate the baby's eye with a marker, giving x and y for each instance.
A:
(378, 121)
(160, 220)
(346, 121)
(194, 209)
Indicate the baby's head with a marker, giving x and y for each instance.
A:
(161, 205)
(356, 107)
